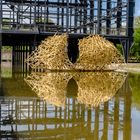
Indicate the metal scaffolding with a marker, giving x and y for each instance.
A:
(110, 18)
(73, 16)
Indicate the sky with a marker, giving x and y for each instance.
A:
(137, 8)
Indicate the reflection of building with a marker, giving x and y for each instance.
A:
(33, 118)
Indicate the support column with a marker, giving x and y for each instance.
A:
(0, 15)
(130, 17)
(85, 16)
(58, 11)
(99, 16)
(67, 18)
(13, 55)
(92, 17)
(76, 16)
(108, 21)
(127, 126)
(96, 125)
(33, 44)
(0, 46)
(23, 57)
(0, 29)
(119, 16)
(26, 54)
(35, 14)
(126, 44)
(116, 118)
(0, 61)
(62, 17)
(106, 121)
(47, 14)
(89, 120)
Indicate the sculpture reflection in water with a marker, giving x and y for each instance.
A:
(32, 118)
(93, 87)
(50, 86)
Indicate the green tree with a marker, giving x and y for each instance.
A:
(137, 22)
(135, 50)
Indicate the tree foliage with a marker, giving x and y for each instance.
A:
(135, 50)
(137, 35)
(137, 22)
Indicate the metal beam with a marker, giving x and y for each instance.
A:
(130, 17)
(0, 15)
(92, 16)
(119, 16)
(67, 18)
(126, 44)
(0, 32)
(76, 15)
(108, 21)
(85, 16)
(99, 17)
(0, 47)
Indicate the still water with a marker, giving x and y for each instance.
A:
(69, 105)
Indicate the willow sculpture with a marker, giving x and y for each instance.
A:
(93, 87)
(50, 87)
(95, 53)
(50, 54)
(98, 87)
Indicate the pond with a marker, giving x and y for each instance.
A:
(68, 105)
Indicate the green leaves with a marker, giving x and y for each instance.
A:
(135, 50)
(137, 22)
(137, 35)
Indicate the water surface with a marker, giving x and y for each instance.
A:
(69, 105)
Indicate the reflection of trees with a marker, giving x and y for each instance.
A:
(134, 80)
(93, 87)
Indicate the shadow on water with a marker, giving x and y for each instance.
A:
(64, 106)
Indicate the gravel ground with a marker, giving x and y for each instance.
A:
(130, 67)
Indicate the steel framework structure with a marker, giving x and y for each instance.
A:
(73, 16)
(110, 18)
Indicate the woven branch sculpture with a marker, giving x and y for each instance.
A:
(50, 54)
(95, 53)
(98, 87)
(93, 88)
(50, 87)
